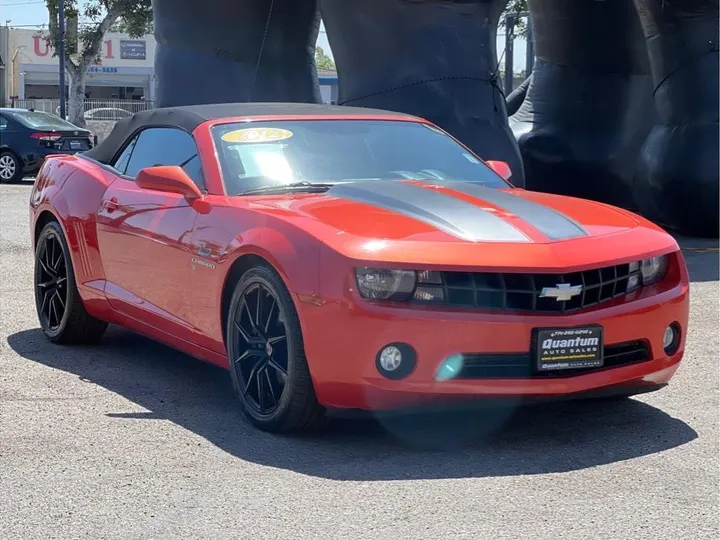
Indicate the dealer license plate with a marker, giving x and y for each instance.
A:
(75, 145)
(569, 348)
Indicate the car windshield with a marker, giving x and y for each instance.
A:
(265, 154)
(43, 120)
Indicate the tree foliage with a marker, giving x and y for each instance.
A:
(86, 25)
(322, 60)
(96, 18)
(513, 7)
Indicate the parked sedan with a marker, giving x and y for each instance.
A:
(28, 137)
(107, 114)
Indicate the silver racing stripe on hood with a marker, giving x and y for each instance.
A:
(551, 223)
(444, 212)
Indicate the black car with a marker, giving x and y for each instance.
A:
(27, 137)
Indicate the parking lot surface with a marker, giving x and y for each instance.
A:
(131, 439)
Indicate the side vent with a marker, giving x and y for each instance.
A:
(85, 264)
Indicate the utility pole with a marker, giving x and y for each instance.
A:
(530, 50)
(61, 55)
(510, 21)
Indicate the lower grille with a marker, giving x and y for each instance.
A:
(522, 365)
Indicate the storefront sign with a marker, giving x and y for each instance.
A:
(41, 47)
(115, 49)
(133, 49)
(102, 69)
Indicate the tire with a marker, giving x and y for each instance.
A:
(268, 368)
(61, 313)
(11, 169)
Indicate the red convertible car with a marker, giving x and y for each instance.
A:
(344, 258)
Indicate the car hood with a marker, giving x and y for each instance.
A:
(411, 218)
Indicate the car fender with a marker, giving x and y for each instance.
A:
(294, 254)
(44, 194)
(290, 251)
(68, 188)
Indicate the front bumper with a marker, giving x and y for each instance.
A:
(343, 338)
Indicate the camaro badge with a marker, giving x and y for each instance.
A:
(561, 292)
(203, 263)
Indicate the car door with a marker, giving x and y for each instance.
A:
(144, 235)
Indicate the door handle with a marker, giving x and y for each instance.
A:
(110, 204)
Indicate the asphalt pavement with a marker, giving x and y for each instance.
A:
(130, 439)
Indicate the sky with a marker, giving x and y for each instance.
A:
(27, 13)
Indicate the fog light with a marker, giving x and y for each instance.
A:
(671, 339)
(390, 358)
(396, 360)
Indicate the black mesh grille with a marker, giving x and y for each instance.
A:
(521, 292)
(521, 365)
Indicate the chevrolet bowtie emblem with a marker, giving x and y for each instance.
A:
(561, 292)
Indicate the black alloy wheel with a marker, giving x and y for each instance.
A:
(268, 368)
(261, 340)
(61, 312)
(51, 284)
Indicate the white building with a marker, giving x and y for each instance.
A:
(3, 64)
(124, 71)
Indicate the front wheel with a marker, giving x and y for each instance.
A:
(62, 315)
(269, 371)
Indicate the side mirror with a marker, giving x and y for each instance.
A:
(501, 168)
(169, 179)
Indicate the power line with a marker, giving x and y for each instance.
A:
(43, 25)
(24, 3)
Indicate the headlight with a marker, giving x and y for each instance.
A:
(653, 270)
(647, 272)
(385, 284)
(634, 279)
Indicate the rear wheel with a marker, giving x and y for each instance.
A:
(10, 168)
(268, 367)
(62, 315)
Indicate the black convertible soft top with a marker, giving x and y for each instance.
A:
(189, 117)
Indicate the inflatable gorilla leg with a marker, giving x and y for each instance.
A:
(676, 183)
(588, 109)
(223, 51)
(429, 58)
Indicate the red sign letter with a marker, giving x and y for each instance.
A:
(108, 49)
(41, 45)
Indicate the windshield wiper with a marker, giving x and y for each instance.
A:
(308, 187)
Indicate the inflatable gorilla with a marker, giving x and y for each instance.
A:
(622, 105)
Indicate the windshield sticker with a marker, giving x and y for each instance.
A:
(470, 158)
(257, 135)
